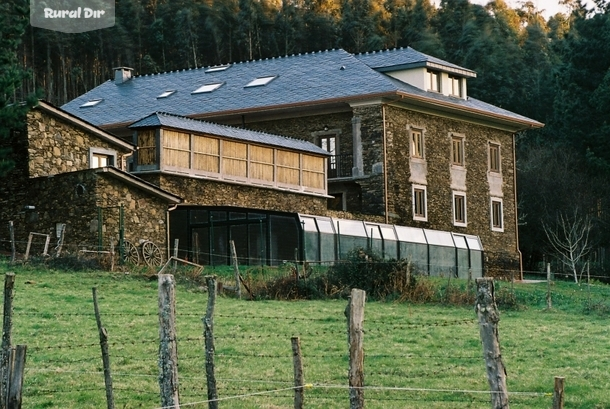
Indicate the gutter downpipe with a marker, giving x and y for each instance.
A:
(385, 167)
(516, 207)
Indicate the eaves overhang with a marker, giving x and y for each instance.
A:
(428, 64)
(84, 125)
(136, 182)
(512, 123)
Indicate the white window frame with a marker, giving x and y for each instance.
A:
(455, 82)
(462, 154)
(111, 154)
(454, 212)
(207, 88)
(419, 217)
(491, 158)
(495, 227)
(434, 80)
(422, 143)
(260, 81)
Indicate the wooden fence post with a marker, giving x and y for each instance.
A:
(168, 349)
(236, 269)
(27, 248)
(11, 231)
(105, 355)
(558, 393)
(355, 334)
(7, 331)
(549, 301)
(176, 245)
(299, 384)
(488, 315)
(208, 333)
(60, 239)
(15, 382)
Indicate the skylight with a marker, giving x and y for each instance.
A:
(166, 94)
(217, 68)
(260, 81)
(91, 103)
(208, 88)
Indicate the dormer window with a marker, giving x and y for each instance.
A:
(434, 81)
(455, 86)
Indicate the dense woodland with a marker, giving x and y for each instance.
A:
(554, 70)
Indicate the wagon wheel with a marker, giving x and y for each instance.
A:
(151, 254)
(130, 253)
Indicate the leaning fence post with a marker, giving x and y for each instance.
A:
(168, 350)
(299, 393)
(558, 393)
(236, 269)
(489, 316)
(7, 330)
(27, 248)
(208, 333)
(355, 334)
(11, 230)
(175, 265)
(15, 382)
(549, 301)
(105, 355)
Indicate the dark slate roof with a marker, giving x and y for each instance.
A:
(304, 79)
(403, 58)
(187, 124)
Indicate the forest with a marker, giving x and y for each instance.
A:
(554, 70)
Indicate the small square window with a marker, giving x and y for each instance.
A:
(434, 81)
(260, 81)
(208, 88)
(420, 211)
(456, 86)
(417, 143)
(459, 208)
(494, 158)
(99, 158)
(497, 215)
(457, 150)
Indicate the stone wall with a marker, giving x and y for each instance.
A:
(497, 245)
(207, 192)
(73, 198)
(55, 146)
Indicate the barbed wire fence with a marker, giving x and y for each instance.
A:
(261, 369)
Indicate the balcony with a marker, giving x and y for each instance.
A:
(340, 166)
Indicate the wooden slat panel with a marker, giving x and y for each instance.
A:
(177, 158)
(147, 149)
(234, 150)
(206, 163)
(176, 140)
(203, 144)
(288, 159)
(288, 175)
(261, 171)
(313, 163)
(314, 180)
(234, 167)
(261, 154)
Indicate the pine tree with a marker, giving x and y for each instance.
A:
(13, 21)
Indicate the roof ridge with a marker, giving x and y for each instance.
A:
(222, 125)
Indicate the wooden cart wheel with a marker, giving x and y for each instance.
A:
(130, 253)
(152, 254)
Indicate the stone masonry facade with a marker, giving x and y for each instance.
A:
(56, 146)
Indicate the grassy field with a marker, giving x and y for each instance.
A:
(417, 356)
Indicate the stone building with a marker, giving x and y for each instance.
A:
(408, 146)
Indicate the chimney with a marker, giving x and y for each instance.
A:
(122, 74)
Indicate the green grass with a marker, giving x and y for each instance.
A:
(424, 348)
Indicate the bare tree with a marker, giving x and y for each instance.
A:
(569, 238)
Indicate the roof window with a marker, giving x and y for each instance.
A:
(91, 103)
(166, 93)
(260, 81)
(208, 88)
(217, 68)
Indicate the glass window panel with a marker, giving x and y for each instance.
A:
(309, 224)
(439, 238)
(473, 243)
(217, 216)
(388, 232)
(460, 241)
(350, 228)
(411, 234)
(325, 225)
(199, 216)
